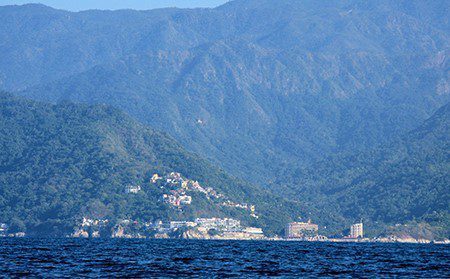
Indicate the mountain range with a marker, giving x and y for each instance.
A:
(317, 101)
(245, 92)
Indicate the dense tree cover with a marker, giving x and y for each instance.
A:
(59, 163)
(404, 181)
(263, 88)
(251, 84)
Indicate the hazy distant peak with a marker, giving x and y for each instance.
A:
(31, 6)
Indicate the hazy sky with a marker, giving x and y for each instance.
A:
(77, 5)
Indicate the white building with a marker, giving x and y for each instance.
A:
(226, 224)
(132, 189)
(357, 230)
(301, 230)
(155, 178)
(87, 222)
(185, 200)
(251, 230)
(3, 227)
(175, 176)
(182, 224)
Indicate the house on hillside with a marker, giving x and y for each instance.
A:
(155, 178)
(132, 189)
(185, 200)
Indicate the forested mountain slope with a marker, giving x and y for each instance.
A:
(59, 163)
(252, 85)
(407, 180)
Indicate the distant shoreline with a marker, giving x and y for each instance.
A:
(336, 240)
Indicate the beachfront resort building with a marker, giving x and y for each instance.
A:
(356, 230)
(301, 230)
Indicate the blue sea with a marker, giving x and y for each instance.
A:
(195, 258)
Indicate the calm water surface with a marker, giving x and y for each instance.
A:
(189, 258)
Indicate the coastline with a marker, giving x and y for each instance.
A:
(265, 239)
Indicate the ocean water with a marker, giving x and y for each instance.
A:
(195, 258)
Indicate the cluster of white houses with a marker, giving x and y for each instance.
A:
(177, 192)
(222, 228)
(4, 228)
(178, 188)
(214, 228)
(202, 228)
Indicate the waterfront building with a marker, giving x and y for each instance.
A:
(252, 230)
(87, 222)
(3, 229)
(356, 230)
(301, 230)
(226, 224)
(182, 224)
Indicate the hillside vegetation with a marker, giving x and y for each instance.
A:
(251, 84)
(394, 184)
(59, 163)
(330, 104)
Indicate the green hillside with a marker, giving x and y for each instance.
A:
(407, 180)
(59, 163)
(249, 85)
(312, 102)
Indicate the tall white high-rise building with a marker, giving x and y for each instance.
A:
(357, 230)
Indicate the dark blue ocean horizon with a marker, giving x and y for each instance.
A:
(108, 258)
